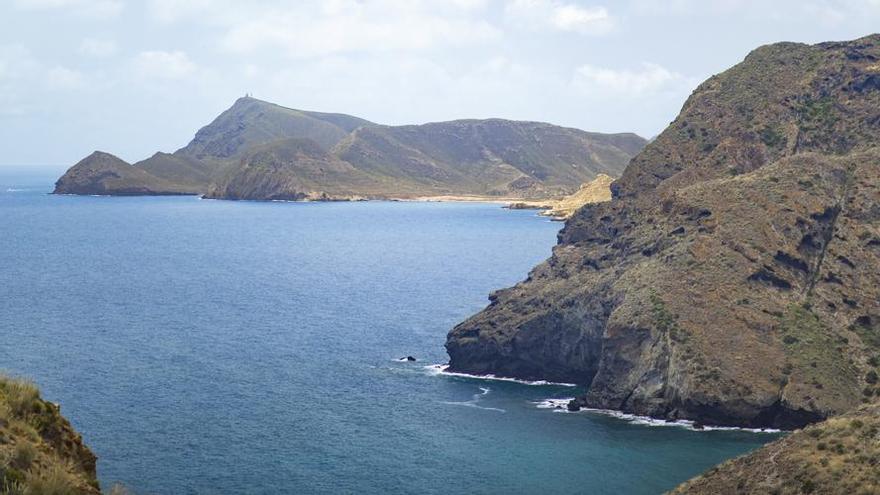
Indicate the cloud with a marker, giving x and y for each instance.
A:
(559, 16)
(17, 67)
(650, 78)
(97, 48)
(102, 9)
(312, 28)
(162, 65)
(349, 26)
(62, 78)
(169, 11)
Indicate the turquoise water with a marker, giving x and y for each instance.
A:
(225, 347)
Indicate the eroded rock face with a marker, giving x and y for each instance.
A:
(734, 278)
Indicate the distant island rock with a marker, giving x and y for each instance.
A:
(734, 278)
(257, 150)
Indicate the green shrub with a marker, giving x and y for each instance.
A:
(771, 137)
(871, 377)
(14, 488)
(23, 455)
(12, 476)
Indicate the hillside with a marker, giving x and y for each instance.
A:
(104, 174)
(40, 453)
(734, 278)
(837, 456)
(488, 157)
(246, 153)
(293, 170)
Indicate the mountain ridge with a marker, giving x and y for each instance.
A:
(489, 157)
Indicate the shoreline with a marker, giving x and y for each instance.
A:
(512, 203)
(561, 405)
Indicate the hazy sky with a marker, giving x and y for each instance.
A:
(132, 77)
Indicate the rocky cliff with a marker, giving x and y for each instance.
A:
(39, 451)
(735, 276)
(258, 150)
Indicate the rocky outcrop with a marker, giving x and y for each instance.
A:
(596, 191)
(257, 150)
(39, 451)
(104, 174)
(838, 456)
(734, 278)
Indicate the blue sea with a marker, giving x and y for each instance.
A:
(207, 347)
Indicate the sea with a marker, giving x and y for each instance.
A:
(219, 347)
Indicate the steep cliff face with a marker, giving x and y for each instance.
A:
(734, 278)
(838, 456)
(39, 451)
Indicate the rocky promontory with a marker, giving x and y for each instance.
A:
(261, 151)
(735, 277)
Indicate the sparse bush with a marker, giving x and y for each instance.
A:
(54, 481)
(14, 488)
(22, 396)
(11, 477)
(23, 455)
(808, 486)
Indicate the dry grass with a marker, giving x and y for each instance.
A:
(37, 446)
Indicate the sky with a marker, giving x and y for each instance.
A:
(134, 77)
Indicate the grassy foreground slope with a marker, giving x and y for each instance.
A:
(40, 453)
(838, 456)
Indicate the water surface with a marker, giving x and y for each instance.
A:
(236, 347)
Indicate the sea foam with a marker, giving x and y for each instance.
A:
(441, 369)
(561, 406)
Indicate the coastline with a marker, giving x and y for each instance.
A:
(561, 405)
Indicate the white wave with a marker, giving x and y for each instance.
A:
(484, 391)
(441, 369)
(561, 405)
(15, 190)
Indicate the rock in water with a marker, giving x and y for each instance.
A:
(735, 276)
